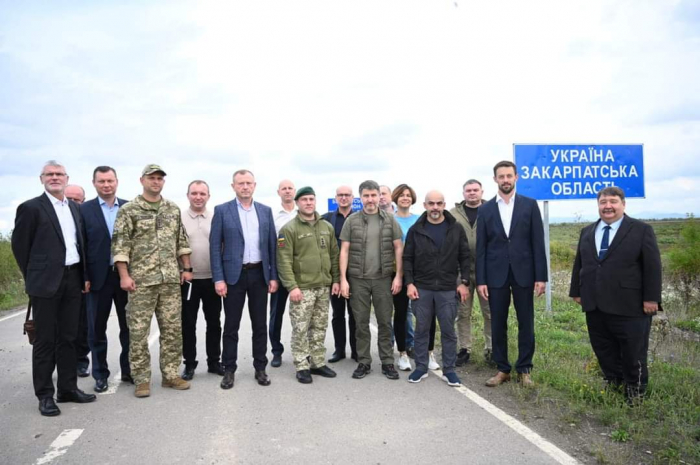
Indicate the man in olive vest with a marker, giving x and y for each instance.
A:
(465, 213)
(307, 264)
(370, 253)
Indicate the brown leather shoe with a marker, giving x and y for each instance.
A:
(500, 378)
(176, 383)
(525, 380)
(143, 390)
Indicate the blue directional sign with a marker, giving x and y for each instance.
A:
(567, 172)
(356, 204)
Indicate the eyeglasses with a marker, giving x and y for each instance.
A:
(435, 204)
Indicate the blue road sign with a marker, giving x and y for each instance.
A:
(568, 172)
(356, 204)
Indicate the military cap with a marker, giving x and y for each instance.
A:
(307, 190)
(152, 168)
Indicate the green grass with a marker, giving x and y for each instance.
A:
(11, 284)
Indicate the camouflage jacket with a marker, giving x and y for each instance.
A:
(150, 241)
(307, 254)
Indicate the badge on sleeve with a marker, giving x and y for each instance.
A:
(280, 241)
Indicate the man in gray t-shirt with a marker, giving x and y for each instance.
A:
(370, 253)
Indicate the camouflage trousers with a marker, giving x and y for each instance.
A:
(464, 320)
(165, 301)
(309, 323)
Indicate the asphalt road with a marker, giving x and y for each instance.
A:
(332, 421)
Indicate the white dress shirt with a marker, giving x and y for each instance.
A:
(67, 223)
(506, 211)
(599, 233)
(283, 217)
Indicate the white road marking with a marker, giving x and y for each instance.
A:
(60, 445)
(23, 312)
(117, 380)
(545, 446)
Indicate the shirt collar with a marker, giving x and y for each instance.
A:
(613, 226)
(103, 202)
(55, 200)
(240, 205)
(501, 200)
(194, 215)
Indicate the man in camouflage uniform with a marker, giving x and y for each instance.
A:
(307, 263)
(148, 239)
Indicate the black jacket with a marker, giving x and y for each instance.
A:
(629, 275)
(428, 267)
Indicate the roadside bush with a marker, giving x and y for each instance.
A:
(561, 255)
(684, 261)
(11, 288)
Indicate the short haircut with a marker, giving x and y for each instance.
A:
(471, 181)
(197, 181)
(505, 164)
(384, 185)
(369, 185)
(399, 190)
(244, 171)
(52, 163)
(103, 169)
(611, 191)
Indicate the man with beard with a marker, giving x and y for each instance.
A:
(510, 259)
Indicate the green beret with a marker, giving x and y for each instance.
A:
(304, 191)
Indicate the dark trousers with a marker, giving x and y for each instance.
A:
(443, 306)
(499, 301)
(339, 305)
(621, 343)
(400, 313)
(56, 322)
(410, 332)
(278, 303)
(99, 306)
(251, 283)
(202, 290)
(82, 345)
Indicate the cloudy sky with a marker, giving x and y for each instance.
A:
(429, 93)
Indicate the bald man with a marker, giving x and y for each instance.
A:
(431, 279)
(278, 301)
(82, 348)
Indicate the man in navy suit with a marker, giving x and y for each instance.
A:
(510, 258)
(243, 247)
(47, 243)
(99, 215)
(617, 281)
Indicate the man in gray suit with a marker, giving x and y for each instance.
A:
(243, 263)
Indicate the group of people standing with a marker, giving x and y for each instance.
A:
(147, 257)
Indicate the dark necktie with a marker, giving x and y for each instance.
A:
(604, 243)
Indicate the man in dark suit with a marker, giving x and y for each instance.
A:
(243, 263)
(99, 215)
(617, 281)
(510, 258)
(47, 243)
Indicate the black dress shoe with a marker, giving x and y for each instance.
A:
(304, 377)
(323, 371)
(337, 356)
(48, 408)
(127, 379)
(276, 360)
(101, 385)
(188, 372)
(83, 372)
(76, 396)
(227, 382)
(262, 378)
(216, 369)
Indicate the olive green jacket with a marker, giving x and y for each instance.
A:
(307, 254)
(461, 217)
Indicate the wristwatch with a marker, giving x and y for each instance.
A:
(187, 270)
(465, 282)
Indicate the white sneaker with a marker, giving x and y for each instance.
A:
(432, 364)
(404, 363)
